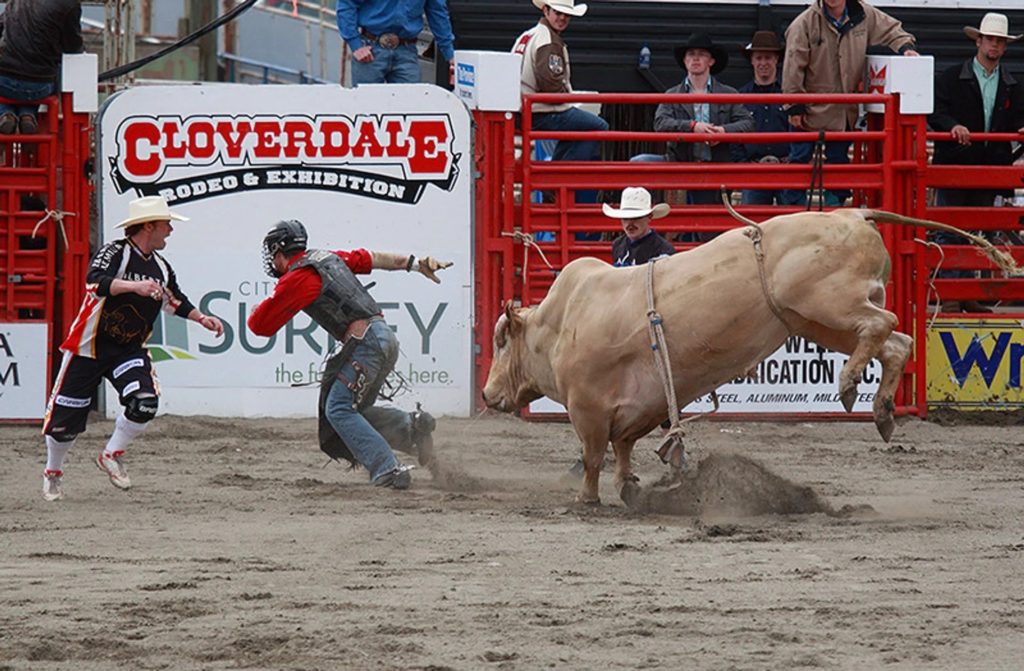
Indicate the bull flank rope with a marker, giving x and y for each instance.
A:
(671, 450)
(528, 242)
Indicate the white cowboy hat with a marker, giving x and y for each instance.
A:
(565, 6)
(149, 208)
(636, 202)
(993, 25)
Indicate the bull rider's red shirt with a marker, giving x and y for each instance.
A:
(298, 288)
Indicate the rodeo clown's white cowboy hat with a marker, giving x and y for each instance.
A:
(993, 25)
(636, 203)
(565, 6)
(149, 208)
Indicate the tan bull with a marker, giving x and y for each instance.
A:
(586, 345)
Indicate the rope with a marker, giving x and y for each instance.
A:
(671, 450)
(817, 172)
(528, 242)
(931, 280)
(58, 216)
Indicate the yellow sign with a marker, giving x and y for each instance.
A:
(975, 364)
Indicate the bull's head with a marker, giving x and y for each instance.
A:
(508, 388)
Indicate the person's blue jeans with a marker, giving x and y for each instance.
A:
(573, 119)
(356, 389)
(836, 153)
(400, 65)
(761, 197)
(23, 90)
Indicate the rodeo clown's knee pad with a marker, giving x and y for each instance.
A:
(141, 409)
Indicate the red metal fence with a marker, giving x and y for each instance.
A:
(44, 219)
(889, 171)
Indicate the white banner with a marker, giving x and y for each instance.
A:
(384, 168)
(23, 348)
(799, 377)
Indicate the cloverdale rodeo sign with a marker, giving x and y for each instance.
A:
(383, 167)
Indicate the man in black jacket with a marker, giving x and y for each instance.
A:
(34, 35)
(978, 96)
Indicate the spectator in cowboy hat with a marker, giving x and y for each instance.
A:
(826, 52)
(545, 69)
(382, 35)
(764, 53)
(701, 59)
(976, 96)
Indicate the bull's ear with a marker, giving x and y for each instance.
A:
(515, 320)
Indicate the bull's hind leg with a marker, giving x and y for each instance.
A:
(625, 480)
(862, 333)
(894, 354)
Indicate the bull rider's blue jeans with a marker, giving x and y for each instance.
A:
(400, 65)
(356, 389)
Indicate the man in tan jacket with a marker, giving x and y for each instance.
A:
(546, 70)
(826, 51)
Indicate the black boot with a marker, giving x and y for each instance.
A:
(423, 425)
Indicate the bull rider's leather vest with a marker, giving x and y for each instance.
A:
(342, 300)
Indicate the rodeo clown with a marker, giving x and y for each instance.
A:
(127, 285)
(323, 284)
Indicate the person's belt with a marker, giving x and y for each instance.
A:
(357, 329)
(387, 40)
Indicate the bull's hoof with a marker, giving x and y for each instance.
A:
(588, 499)
(886, 427)
(630, 492)
(848, 397)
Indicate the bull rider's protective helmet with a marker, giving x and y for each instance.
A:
(287, 237)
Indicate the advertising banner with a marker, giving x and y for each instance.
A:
(800, 377)
(385, 168)
(974, 364)
(23, 349)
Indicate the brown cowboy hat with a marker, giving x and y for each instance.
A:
(763, 40)
(702, 41)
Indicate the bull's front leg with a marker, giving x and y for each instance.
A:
(626, 483)
(593, 460)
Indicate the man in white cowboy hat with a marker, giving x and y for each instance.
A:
(639, 243)
(127, 285)
(545, 69)
(701, 59)
(764, 52)
(976, 96)
(826, 52)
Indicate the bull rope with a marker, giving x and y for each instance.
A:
(756, 234)
(671, 450)
(57, 216)
(528, 242)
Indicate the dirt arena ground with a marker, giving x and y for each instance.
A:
(239, 549)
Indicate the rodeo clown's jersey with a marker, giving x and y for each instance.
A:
(108, 324)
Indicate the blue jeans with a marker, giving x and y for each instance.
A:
(761, 197)
(573, 119)
(400, 65)
(355, 390)
(836, 153)
(23, 90)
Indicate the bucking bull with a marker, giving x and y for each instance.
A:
(725, 306)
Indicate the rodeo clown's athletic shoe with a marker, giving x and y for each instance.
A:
(400, 478)
(423, 425)
(112, 466)
(53, 488)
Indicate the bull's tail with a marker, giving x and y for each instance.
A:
(1002, 259)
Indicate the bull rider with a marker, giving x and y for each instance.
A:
(323, 284)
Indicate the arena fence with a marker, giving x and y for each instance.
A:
(530, 226)
(44, 237)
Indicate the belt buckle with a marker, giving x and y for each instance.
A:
(388, 41)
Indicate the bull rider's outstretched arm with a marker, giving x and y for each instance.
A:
(427, 266)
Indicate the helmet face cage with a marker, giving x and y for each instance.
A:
(286, 237)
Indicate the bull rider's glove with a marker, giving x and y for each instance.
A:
(428, 266)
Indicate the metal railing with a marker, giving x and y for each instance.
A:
(240, 69)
